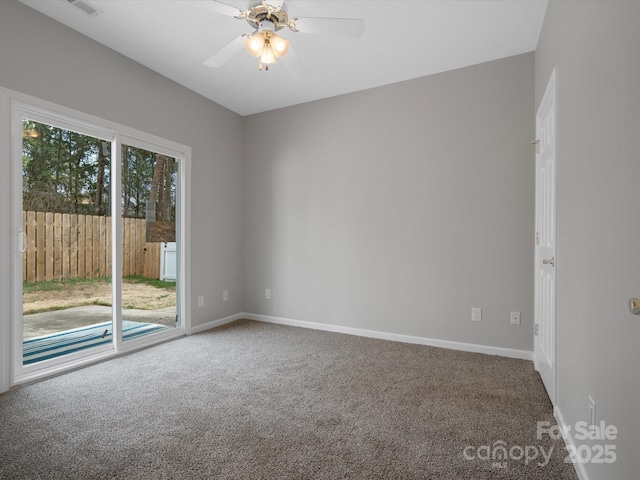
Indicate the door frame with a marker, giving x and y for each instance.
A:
(6, 246)
(12, 105)
(551, 88)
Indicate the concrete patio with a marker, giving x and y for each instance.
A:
(46, 323)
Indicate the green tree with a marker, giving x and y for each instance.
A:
(64, 171)
(68, 172)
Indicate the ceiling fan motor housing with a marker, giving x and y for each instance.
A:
(266, 25)
(262, 12)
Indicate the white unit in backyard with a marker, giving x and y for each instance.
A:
(168, 261)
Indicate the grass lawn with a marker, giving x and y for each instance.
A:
(137, 293)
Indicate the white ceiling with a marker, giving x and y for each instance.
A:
(403, 39)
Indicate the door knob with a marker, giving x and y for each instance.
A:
(551, 261)
(634, 306)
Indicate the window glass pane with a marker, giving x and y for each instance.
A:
(66, 264)
(149, 253)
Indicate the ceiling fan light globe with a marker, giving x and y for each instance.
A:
(255, 44)
(268, 55)
(280, 45)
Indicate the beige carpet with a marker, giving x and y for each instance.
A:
(259, 401)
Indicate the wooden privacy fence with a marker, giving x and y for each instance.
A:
(64, 245)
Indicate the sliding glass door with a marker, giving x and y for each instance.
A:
(98, 242)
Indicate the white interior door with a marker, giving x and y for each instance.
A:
(545, 254)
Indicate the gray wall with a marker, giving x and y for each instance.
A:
(399, 208)
(40, 57)
(595, 46)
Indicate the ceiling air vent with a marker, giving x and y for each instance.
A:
(85, 7)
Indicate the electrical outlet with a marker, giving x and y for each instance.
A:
(201, 301)
(515, 318)
(476, 314)
(267, 293)
(225, 295)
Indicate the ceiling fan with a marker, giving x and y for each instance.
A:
(268, 17)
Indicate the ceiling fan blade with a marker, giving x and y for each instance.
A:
(223, 55)
(223, 8)
(294, 65)
(342, 27)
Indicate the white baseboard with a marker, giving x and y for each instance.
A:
(215, 323)
(432, 342)
(568, 440)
